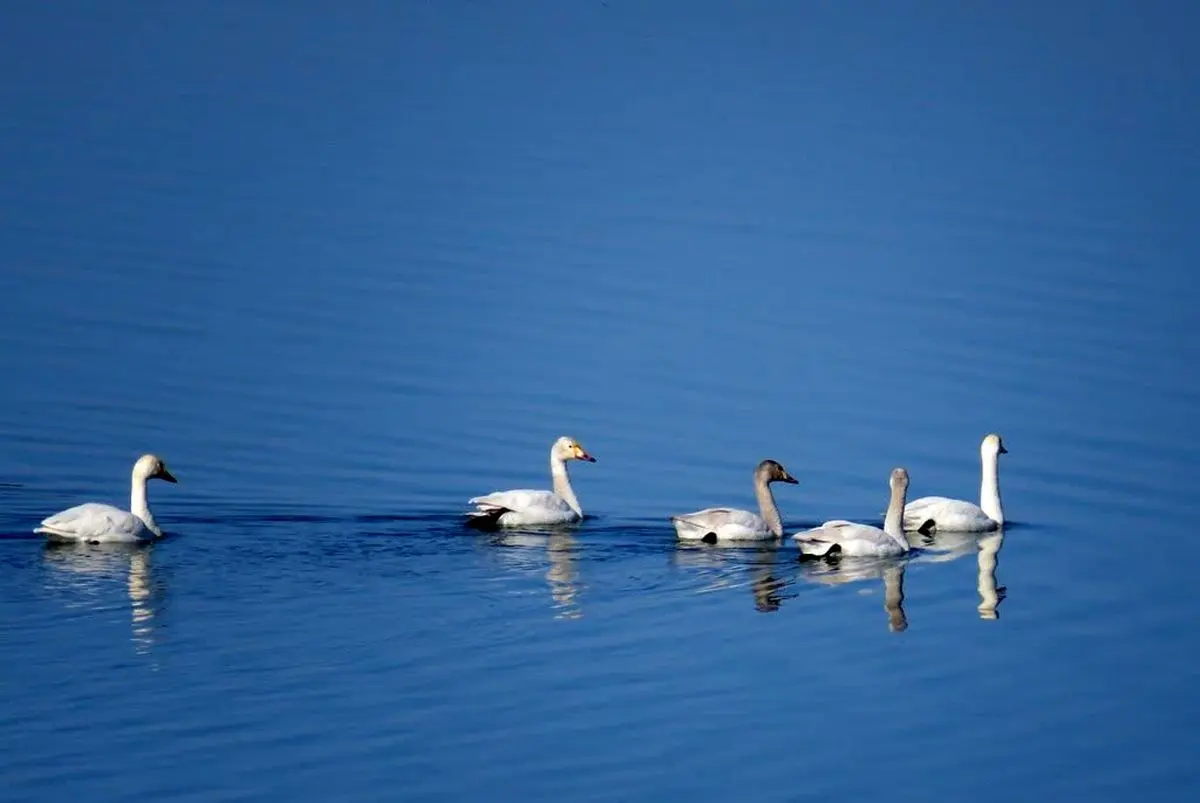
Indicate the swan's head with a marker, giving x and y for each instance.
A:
(151, 467)
(992, 445)
(772, 471)
(569, 449)
(899, 478)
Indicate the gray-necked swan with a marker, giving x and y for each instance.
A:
(730, 524)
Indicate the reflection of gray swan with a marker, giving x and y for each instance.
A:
(82, 565)
(724, 563)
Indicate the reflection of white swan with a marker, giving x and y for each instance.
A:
(858, 570)
(942, 547)
(87, 568)
(990, 595)
(562, 575)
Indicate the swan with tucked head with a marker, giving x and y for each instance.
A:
(730, 524)
(524, 507)
(851, 540)
(938, 513)
(98, 523)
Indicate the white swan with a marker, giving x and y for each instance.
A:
(97, 523)
(730, 524)
(852, 540)
(931, 513)
(524, 507)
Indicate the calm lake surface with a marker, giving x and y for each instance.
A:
(344, 268)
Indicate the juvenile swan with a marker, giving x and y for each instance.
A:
(96, 523)
(861, 540)
(729, 524)
(524, 507)
(932, 513)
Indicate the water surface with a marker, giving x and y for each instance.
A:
(344, 269)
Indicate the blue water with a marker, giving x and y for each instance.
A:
(346, 267)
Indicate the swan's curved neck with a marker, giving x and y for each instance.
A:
(562, 483)
(893, 522)
(139, 506)
(767, 506)
(989, 488)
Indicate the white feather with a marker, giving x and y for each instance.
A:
(524, 507)
(96, 523)
(854, 540)
(951, 515)
(725, 524)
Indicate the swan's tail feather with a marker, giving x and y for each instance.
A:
(816, 548)
(485, 517)
(691, 530)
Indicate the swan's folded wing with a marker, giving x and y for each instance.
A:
(827, 532)
(819, 540)
(847, 537)
(926, 505)
(520, 500)
(945, 513)
(724, 522)
(93, 521)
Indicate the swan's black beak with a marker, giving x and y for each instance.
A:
(790, 480)
(587, 458)
(1002, 450)
(163, 474)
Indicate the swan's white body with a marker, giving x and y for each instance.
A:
(525, 507)
(852, 540)
(932, 513)
(732, 524)
(98, 523)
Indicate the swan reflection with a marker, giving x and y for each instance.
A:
(945, 547)
(562, 573)
(733, 565)
(990, 595)
(857, 570)
(87, 569)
